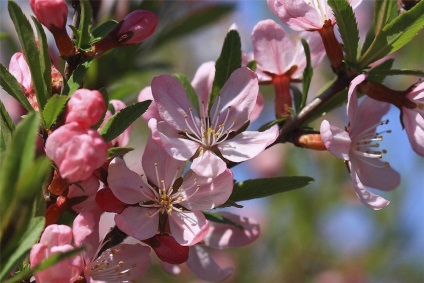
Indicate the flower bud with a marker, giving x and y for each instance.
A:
(51, 13)
(85, 107)
(136, 27)
(76, 151)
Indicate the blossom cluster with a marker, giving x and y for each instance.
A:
(199, 131)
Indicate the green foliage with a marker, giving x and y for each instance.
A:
(6, 128)
(11, 86)
(251, 65)
(118, 151)
(191, 93)
(348, 27)
(297, 97)
(45, 61)
(375, 75)
(259, 188)
(384, 12)
(307, 74)
(84, 35)
(268, 125)
(54, 108)
(122, 119)
(395, 35)
(76, 79)
(229, 60)
(218, 218)
(36, 62)
(102, 30)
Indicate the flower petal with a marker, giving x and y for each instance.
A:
(204, 266)
(56, 235)
(414, 126)
(138, 222)
(208, 164)
(222, 236)
(86, 232)
(202, 83)
(188, 227)
(336, 140)
(203, 193)
(125, 184)
(152, 111)
(298, 15)
(247, 144)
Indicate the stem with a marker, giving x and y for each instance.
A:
(70, 67)
(283, 100)
(332, 47)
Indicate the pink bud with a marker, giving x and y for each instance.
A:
(51, 13)
(85, 107)
(19, 68)
(136, 27)
(76, 151)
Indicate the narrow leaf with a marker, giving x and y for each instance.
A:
(218, 218)
(45, 61)
(259, 188)
(76, 79)
(118, 151)
(122, 119)
(307, 74)
(384, 12)
(272, 123)
(85, 24)
(191, 93)
(54, 108)
(404, 72)
(102, 30)
(252, 65)
(6, 128)
(348, 27)
(31, 52)
(395, 35)
(228, 62)
(368, 40)
(12, 87)
(375, 75)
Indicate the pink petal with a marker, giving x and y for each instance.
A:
(157, 162)
(204, 266)
(87, 188)
(316, 48)
(171, 268)
(211, 192)
(85, 107)
(272, 47)
(370, 199)
(138, 222)
(352, 99)
(222, 236)
(374, 173)
(208, 164)
(56, 235)
(414, 126)
(152, 111)
(259, 106)
(298, 15)
(202, 83)
(86, 232)
(167, 249)
(169, 139)
(19, 68)
(108, 202)
(188, 227)
(336, 140)
(247, 144)
(125, 184)
(237, 99)
(172, 101)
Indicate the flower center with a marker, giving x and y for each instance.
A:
(320, 6)
(368, 143)
(209, 131)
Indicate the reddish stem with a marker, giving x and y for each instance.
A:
(283, 99)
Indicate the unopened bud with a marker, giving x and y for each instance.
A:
(85, 107)
(311, 141)
(51, 13)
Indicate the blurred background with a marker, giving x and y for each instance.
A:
(320, 233)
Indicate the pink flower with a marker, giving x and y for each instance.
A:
(413, 119)
(51, 13)
(162, 196)
(207, 136)
(122, 263)
(359, 145)
(136, 27)
(56, 239)
(275, 54)
(76, 150)
(124, 138)
(304, 14)
(85, 107)
(82, 196)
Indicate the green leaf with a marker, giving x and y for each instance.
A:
(118, 151)
(227, 63)
(395, 35)
(31, 52)
(218, 218)
(375, 75)
(45, 61)
(348, 27)
(85, 25)
(102, 30)
(252, 65)
(368, 40)
(404, 72)
(384, 12)
(54, 108)
(6, 128)
(193, 21)
(30, 237)
(297, 98)
(191, 93)
(50, 261)
(12, 87)
(268, 125)
(76, 79)
(307, 74)
(259, 188)
(122, 119)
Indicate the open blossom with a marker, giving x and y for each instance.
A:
(413, 119)
(56, 239)
(209, 136)
(305, 14)
(76, 150)
(85, 107)
(162, 197)
(359, 145)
